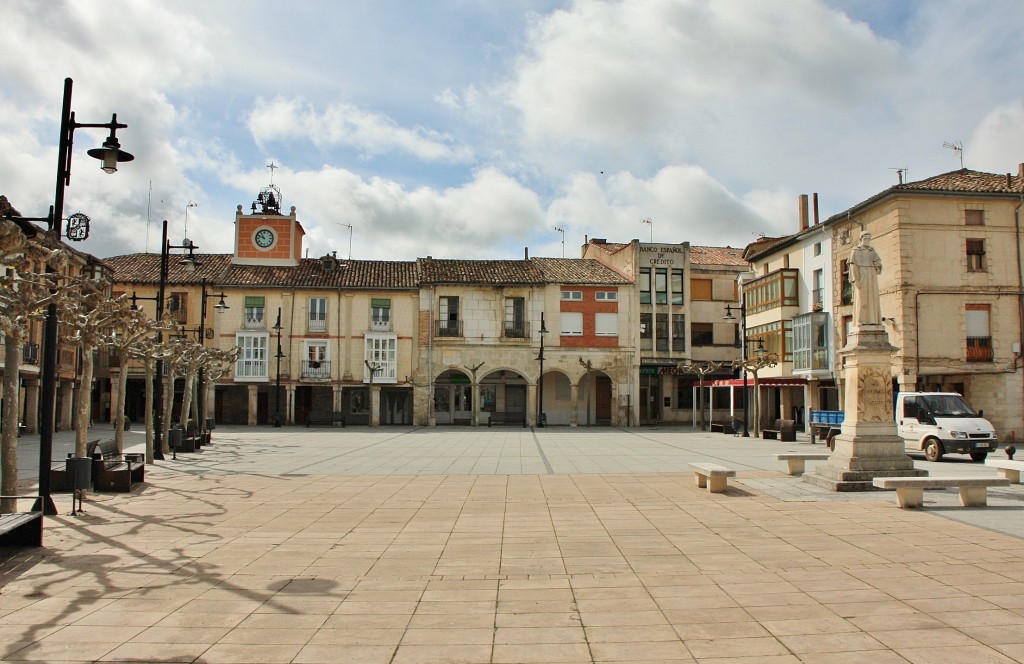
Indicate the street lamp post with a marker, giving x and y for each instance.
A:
(540, 381)
(743, 351)
(190, 263)
(220, 306)
(110, 155)
(277, 390)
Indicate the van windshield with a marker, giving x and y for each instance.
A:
(947, 405)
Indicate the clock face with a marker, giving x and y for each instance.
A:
(264, 237)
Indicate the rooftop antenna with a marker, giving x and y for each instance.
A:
(560, 228)
(957, 147)
(349, 239)
(649, 222)
(901, 173)
(189, 205)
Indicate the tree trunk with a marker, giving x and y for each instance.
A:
(186, 397)
(84, 402)
(9, 472)
(167, 407)
(757, 408)
(122, 385)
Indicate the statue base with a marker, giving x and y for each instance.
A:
(869, 445)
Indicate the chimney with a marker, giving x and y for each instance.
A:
(1020, 171)
(803, 212)
(526, 253)
(1009, 181)
(815, 204)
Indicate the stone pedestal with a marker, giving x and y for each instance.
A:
(869, 445)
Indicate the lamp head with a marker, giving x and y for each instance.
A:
(111, 153)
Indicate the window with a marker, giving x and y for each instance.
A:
(817, 248)
(810, 342)
(661, 285)
(702, 334)
(979, 335)
(317, 314)
(677, 286)
(846, 285)
(382, 354)
(380, 314)
(975, 255)
(818, 290)
(645, 285)
(974, 217)
(254, 311)
(606, 295)
(177, 306)
(678, 332)
(778, 289)
(661, 332)
(646, 331)
(515, 318)
(700, 289)
(448, 321)
(315, 364)
(777, 338)
(252, 356)
(606, 324)
(572, 295)
(572, 323)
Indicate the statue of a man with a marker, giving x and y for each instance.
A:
(865, 265)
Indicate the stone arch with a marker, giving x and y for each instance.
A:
(453, 397)
(595, 399)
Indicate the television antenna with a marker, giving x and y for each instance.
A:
(349, 238)
(649, 222)
(560, 228)
(187, 208)
(957, 147)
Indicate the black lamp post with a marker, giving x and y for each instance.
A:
(190, 263)
(110, 155)
(277, 390)
(743, 351)
(540, 381)
(220, 306)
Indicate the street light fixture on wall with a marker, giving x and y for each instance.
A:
(110, 154)
(541, 419)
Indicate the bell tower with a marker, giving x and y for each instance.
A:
(266, 236)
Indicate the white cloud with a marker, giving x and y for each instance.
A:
(345, 124)
(997, 144)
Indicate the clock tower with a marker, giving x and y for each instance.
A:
(267, 237)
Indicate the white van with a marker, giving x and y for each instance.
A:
(938, 423)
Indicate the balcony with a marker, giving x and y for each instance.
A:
(380, 325)
(772, 291)
(30, 353)
(316, 325)
(255, 321)
(520, 330)
(979, 349)
(251, 369)
(316, 369)
(448, 328)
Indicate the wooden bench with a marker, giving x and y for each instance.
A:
(910, 490)
(21, 528)
(795, 460)
(328, 417)
(1007, 468)
(507, 418)
(712, 476)
(58, 470)
(732, 426)
(785, 431)
(112, 471)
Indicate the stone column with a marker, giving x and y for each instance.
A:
(66, 388)
(574, 399)
(253, 404)
(375, 406)
(31, 405)
(531, 404)
(869, 445)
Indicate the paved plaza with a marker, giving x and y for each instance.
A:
(411, 545)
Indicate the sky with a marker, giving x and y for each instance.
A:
(477, 129)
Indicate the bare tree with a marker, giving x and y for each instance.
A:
(25, 293)
(702, 369)
(753, 365)
(148, 350)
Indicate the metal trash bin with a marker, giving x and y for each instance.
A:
(78, 478)
(210, 424)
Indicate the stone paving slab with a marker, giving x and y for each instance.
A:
(295, 546)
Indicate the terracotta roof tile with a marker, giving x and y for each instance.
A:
(716, 256)
(966, 180)
(218, 270)
(578, 271)
(448, 271)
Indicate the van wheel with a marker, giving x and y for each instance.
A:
(932, 449)
(978, 456)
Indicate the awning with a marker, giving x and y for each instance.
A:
(762, 382)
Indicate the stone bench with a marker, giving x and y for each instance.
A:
(1007, 468)
(712, 476)
(795, 460)
(910, 490)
